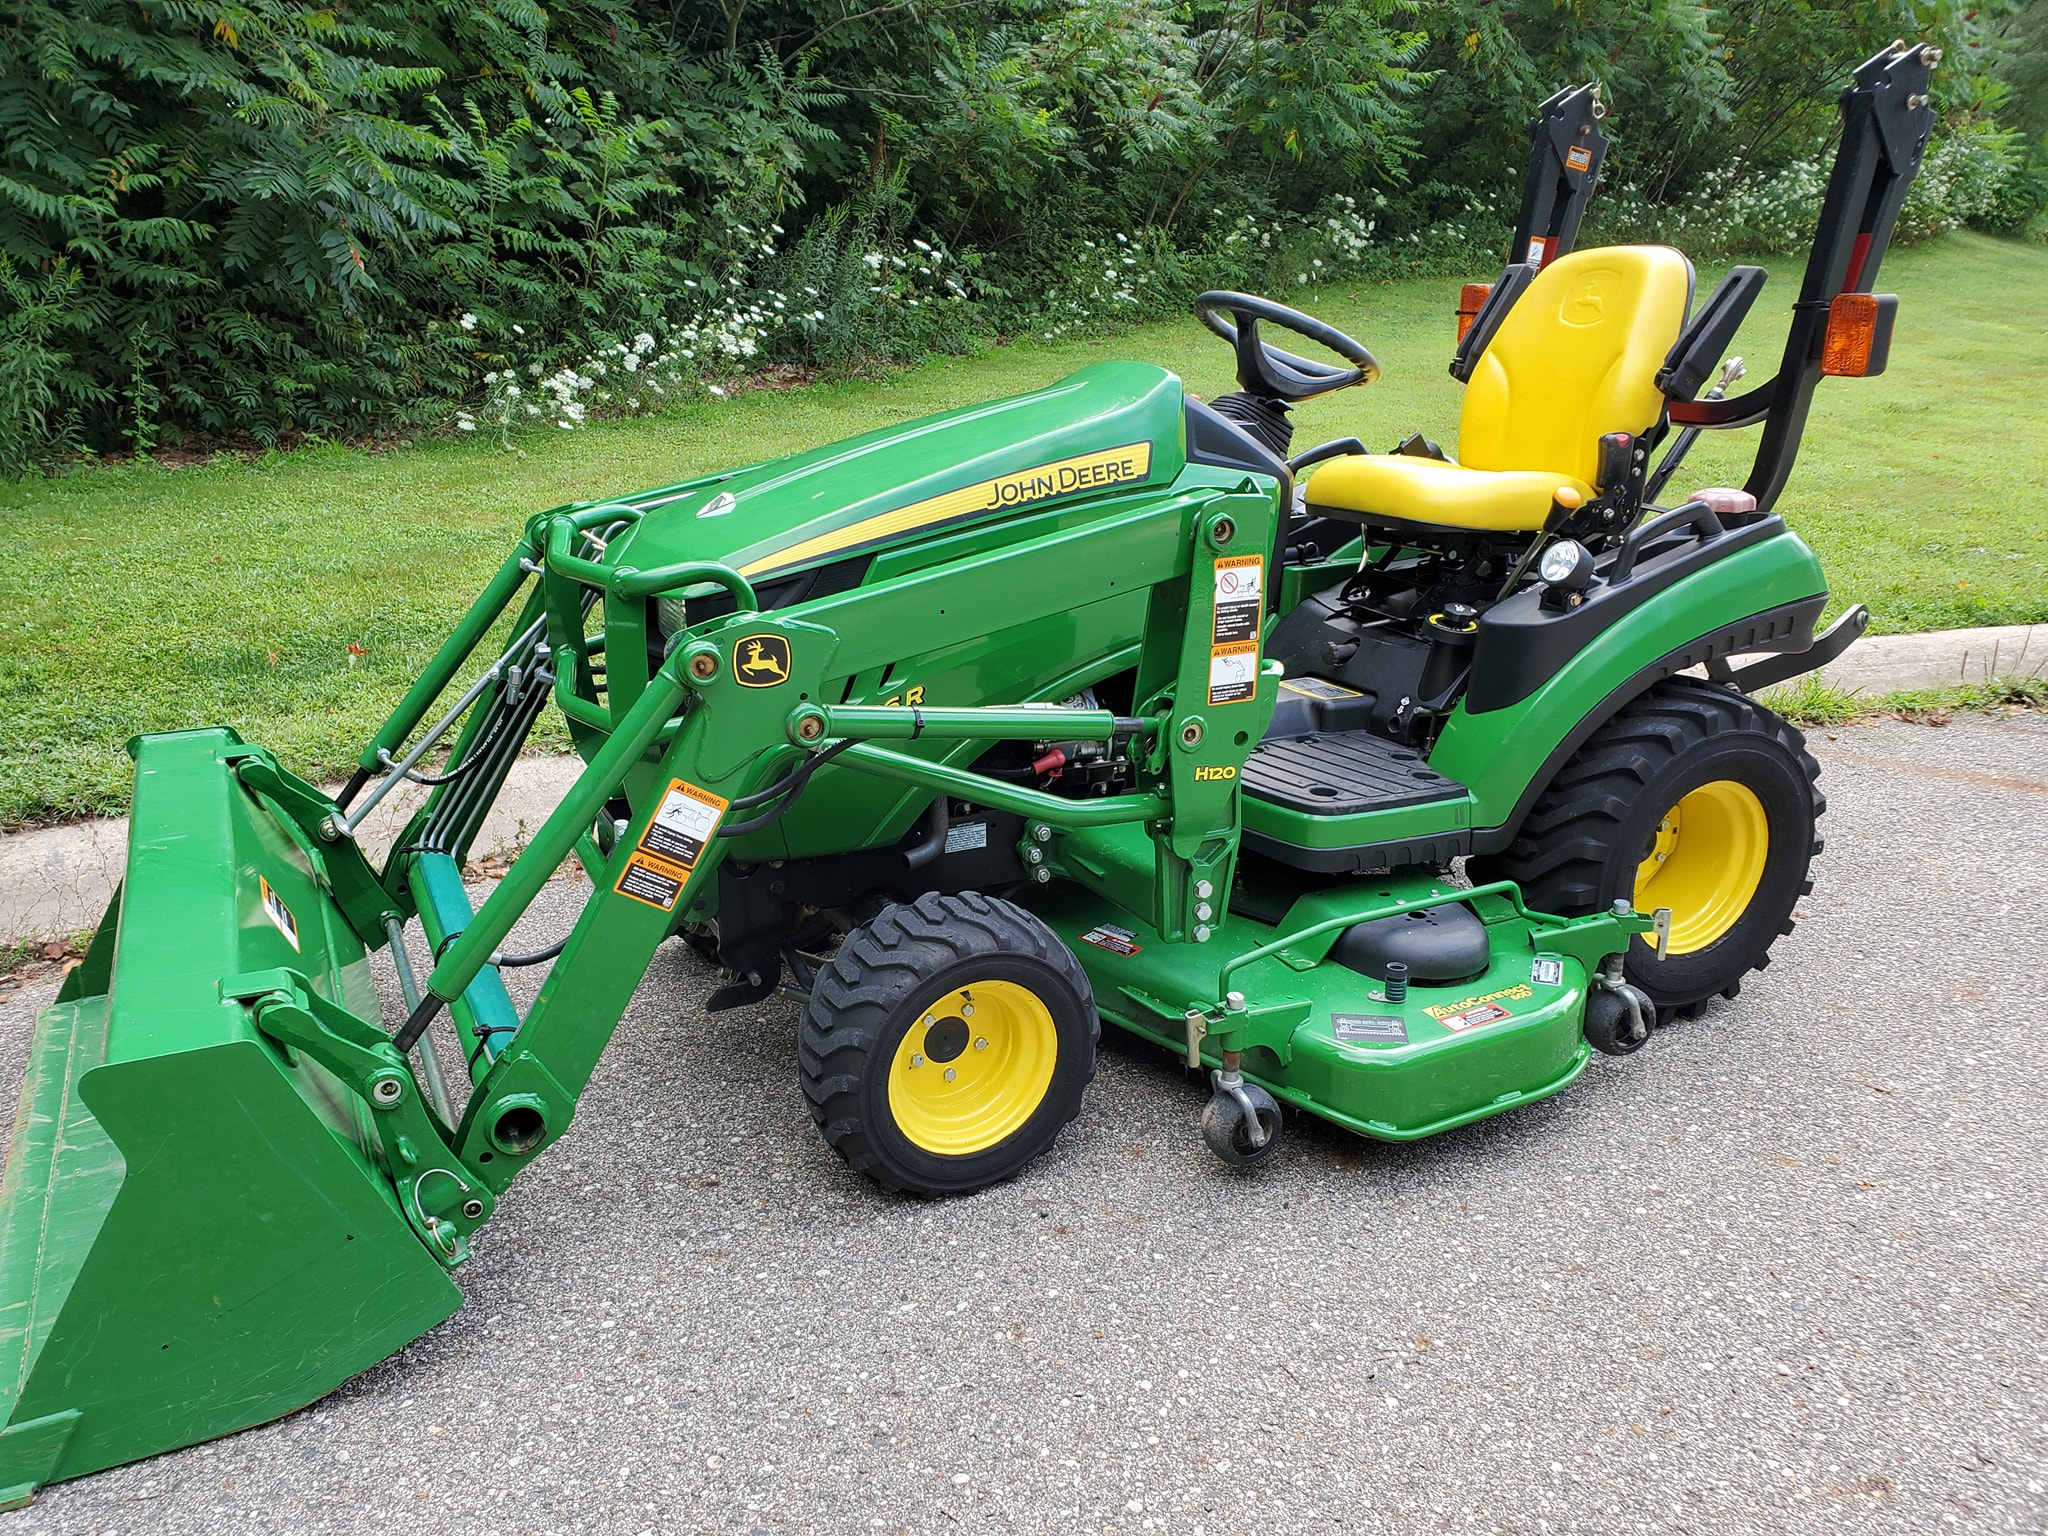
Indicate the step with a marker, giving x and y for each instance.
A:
(1340, 773)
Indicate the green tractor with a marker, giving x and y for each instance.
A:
(1092, 704)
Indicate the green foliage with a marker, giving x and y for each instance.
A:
(267, 218)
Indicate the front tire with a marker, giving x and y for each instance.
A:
(946, 1044)
(1693, 797)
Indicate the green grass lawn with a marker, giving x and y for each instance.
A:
(139, 598)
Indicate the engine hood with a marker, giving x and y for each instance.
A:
(1110, 425)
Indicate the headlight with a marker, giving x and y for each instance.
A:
(1566, 564)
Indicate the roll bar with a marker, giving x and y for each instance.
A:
(1566, 148)
(1886, 120)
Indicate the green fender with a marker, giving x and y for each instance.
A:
(1507, 756)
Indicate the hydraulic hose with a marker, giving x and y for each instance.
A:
(785, 790)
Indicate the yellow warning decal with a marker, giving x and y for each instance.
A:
(1063, 477)
(669, 849)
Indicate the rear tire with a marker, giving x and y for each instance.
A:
(1693, 797)
(946, 1044)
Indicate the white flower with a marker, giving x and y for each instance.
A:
(511, 391)
(713, 389)
(922, 246)
(518, 330)
(469, 322)
(629, 362)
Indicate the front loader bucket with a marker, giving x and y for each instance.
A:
(198, 1231)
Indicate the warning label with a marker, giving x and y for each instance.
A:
(1234, 673)
(1546, 971)
(1472, 1018)
(279, 914)
(654, 881)
(1577, 158)
(1118, 941)
(1240, 584)
(1369, 1028)
(682, 826)
(670, 847)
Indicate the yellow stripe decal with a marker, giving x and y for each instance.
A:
(1063, 477)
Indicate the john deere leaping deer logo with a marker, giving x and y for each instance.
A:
(761, 661)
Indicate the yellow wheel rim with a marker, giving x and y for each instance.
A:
(1706, 863)
(972, 1068)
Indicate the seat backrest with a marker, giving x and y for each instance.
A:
(1576, 358)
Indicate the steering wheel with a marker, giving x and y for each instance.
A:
(1268, 371)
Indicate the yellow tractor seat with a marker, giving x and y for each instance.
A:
(1394, 487)
(1575, 360)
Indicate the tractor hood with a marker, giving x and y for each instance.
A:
(1111, 425)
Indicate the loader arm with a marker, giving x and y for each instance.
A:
(699, 738)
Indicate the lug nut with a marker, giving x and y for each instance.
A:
(980, 1044)
(951, 1074)
(917, 1061)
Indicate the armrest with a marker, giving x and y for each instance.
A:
(1699, 348)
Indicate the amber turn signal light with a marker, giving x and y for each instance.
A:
(1859, 335)
(1471, 299)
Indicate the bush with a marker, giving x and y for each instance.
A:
(267, 218)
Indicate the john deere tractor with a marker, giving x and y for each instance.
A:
(1383, 787)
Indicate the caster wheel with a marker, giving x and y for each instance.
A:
(1227, 1129)
(1609, 1027)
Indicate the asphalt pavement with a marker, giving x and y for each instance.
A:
(1782, 1270)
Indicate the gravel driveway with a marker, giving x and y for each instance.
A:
(1781, 1271)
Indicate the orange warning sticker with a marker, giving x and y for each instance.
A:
(1577, 158)
(671, 846)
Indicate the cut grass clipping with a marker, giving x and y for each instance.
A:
(295, 598)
